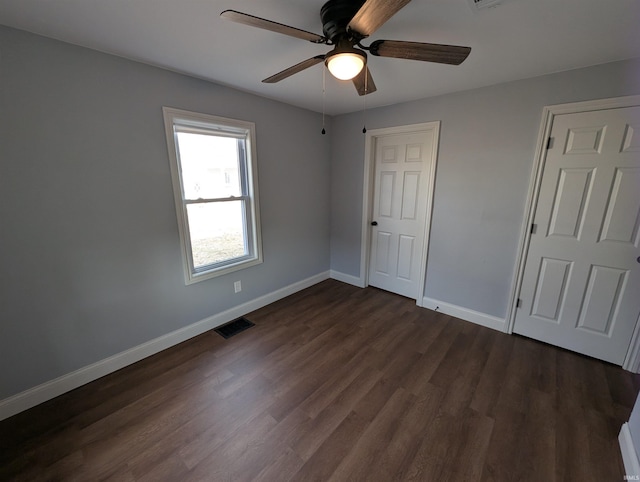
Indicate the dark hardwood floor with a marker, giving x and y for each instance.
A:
(335, 383)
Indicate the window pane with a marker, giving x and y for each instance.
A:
(217, 232)
(209, 166)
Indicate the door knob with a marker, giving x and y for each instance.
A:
(374, 223)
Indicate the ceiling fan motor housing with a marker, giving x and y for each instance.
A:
(336, 15)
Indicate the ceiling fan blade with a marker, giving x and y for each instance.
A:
(252, 21)
(305, 64)
(443, 54)
(373, 14)
(364, 83)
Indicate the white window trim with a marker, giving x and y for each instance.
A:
(231, 127)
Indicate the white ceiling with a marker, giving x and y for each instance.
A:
(518, 39)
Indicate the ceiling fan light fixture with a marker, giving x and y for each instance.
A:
(345, 63)
(345, 66)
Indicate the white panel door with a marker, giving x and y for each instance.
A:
(399, 211)
(581, 283)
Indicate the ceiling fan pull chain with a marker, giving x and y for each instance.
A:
(364, 101)
(323, 96)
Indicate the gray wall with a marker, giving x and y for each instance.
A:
(89, 250)
(486, 152)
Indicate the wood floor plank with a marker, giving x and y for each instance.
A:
(393, 462)
(462, 384)
(283, 468)
(473, 432)
(330, 454)
(233, 458)
(335, 383)
(431, 459)
(325, 422)
(334, 386)
(492, 377)
(374, 440)
(426, 366)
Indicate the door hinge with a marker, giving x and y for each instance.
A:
(519, 303)
(534, 228)
(550, 143)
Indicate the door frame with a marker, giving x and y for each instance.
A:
(368, 190)
(632, 358)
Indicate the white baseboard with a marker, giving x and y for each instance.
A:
(465, 314)
(346, 278)
(53, 388)
(629, 454)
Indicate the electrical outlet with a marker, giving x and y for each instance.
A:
(237, 286)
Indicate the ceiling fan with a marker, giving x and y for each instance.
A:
(345, 24)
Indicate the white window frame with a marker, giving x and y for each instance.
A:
(175, 119)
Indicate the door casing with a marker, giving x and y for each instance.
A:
(632, 359)
(368, 191)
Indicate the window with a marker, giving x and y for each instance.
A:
(213, 169)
